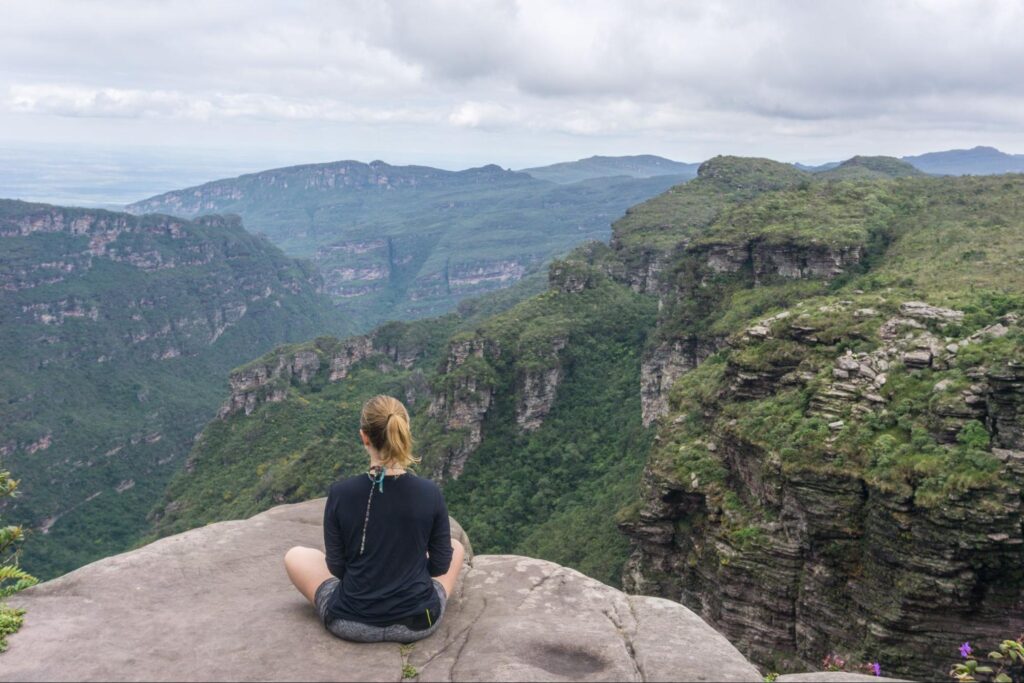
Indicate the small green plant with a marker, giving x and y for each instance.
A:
(1003, 666)
(408, 670)
(771, 677)
(12, 577)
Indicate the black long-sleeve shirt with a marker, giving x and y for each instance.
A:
(390, 581)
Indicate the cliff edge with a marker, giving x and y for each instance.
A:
(214, 603)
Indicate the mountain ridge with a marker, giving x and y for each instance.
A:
(402, 242)
(638, 166)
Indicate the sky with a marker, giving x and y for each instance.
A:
(225, 86)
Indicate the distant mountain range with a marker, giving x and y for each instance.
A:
(638, 166)
(405, 242)
(402, 242)
(974, 161)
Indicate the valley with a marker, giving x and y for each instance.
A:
(790, 400)
(406, 242)
(829, 366)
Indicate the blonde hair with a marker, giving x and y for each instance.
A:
(385, 421)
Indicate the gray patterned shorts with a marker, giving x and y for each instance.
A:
(367, 633)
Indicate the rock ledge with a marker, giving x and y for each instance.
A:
(214, 604)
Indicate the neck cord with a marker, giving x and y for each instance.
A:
(376, 479)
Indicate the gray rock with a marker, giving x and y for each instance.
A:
(214, 603)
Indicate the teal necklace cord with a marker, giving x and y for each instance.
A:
(376, 480)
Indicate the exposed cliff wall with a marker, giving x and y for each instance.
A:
(807, 539)
(465, 393)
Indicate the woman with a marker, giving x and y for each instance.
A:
(391, 563)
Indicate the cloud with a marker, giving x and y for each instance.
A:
(79, 101)
(732, 70)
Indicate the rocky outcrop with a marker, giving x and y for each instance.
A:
(662, 366)
(479, 276)
(835, 559)
(537, 389)
(352, 351)
(355, 267)
(462, 400)
(794, 261)
(175, 609)
(267, 379)
(1005, 406)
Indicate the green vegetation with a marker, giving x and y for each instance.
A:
(117, 336)
(824, 410)
(685, 211)
(550, 492)
(12, 578)
(868, 168)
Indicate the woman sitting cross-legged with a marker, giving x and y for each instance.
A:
(391, 563)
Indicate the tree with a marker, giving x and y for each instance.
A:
(12, 577)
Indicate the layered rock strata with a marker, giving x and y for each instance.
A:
(794, 560)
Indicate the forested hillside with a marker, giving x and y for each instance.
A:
(405, 242)
(116, 334)
(830, 366)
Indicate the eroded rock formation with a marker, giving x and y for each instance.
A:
(840, 558)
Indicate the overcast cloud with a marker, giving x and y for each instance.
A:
(458, 83)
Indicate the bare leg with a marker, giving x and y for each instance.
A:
(307, 568)
(448, 580)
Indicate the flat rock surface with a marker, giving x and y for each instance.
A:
(214, 603)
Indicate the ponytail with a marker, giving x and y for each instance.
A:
(385, 422)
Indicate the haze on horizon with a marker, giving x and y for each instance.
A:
(230, 87)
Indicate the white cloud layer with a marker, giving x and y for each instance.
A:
(519, 80)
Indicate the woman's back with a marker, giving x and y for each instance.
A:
(386, 573)
(390, 562)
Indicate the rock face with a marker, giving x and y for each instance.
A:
(662, 366)
(214, 603)
(267, 379)
(538, 387)
(842, 557)
(463, 400)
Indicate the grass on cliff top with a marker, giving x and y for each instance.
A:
(955, 242)
(957, 236)
(833, 214)
(683, 212)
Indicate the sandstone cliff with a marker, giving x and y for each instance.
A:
(823, 550)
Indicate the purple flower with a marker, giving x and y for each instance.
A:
(876, 668)
(965, 649)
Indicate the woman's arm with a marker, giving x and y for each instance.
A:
(439, 547)
(334, 546)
